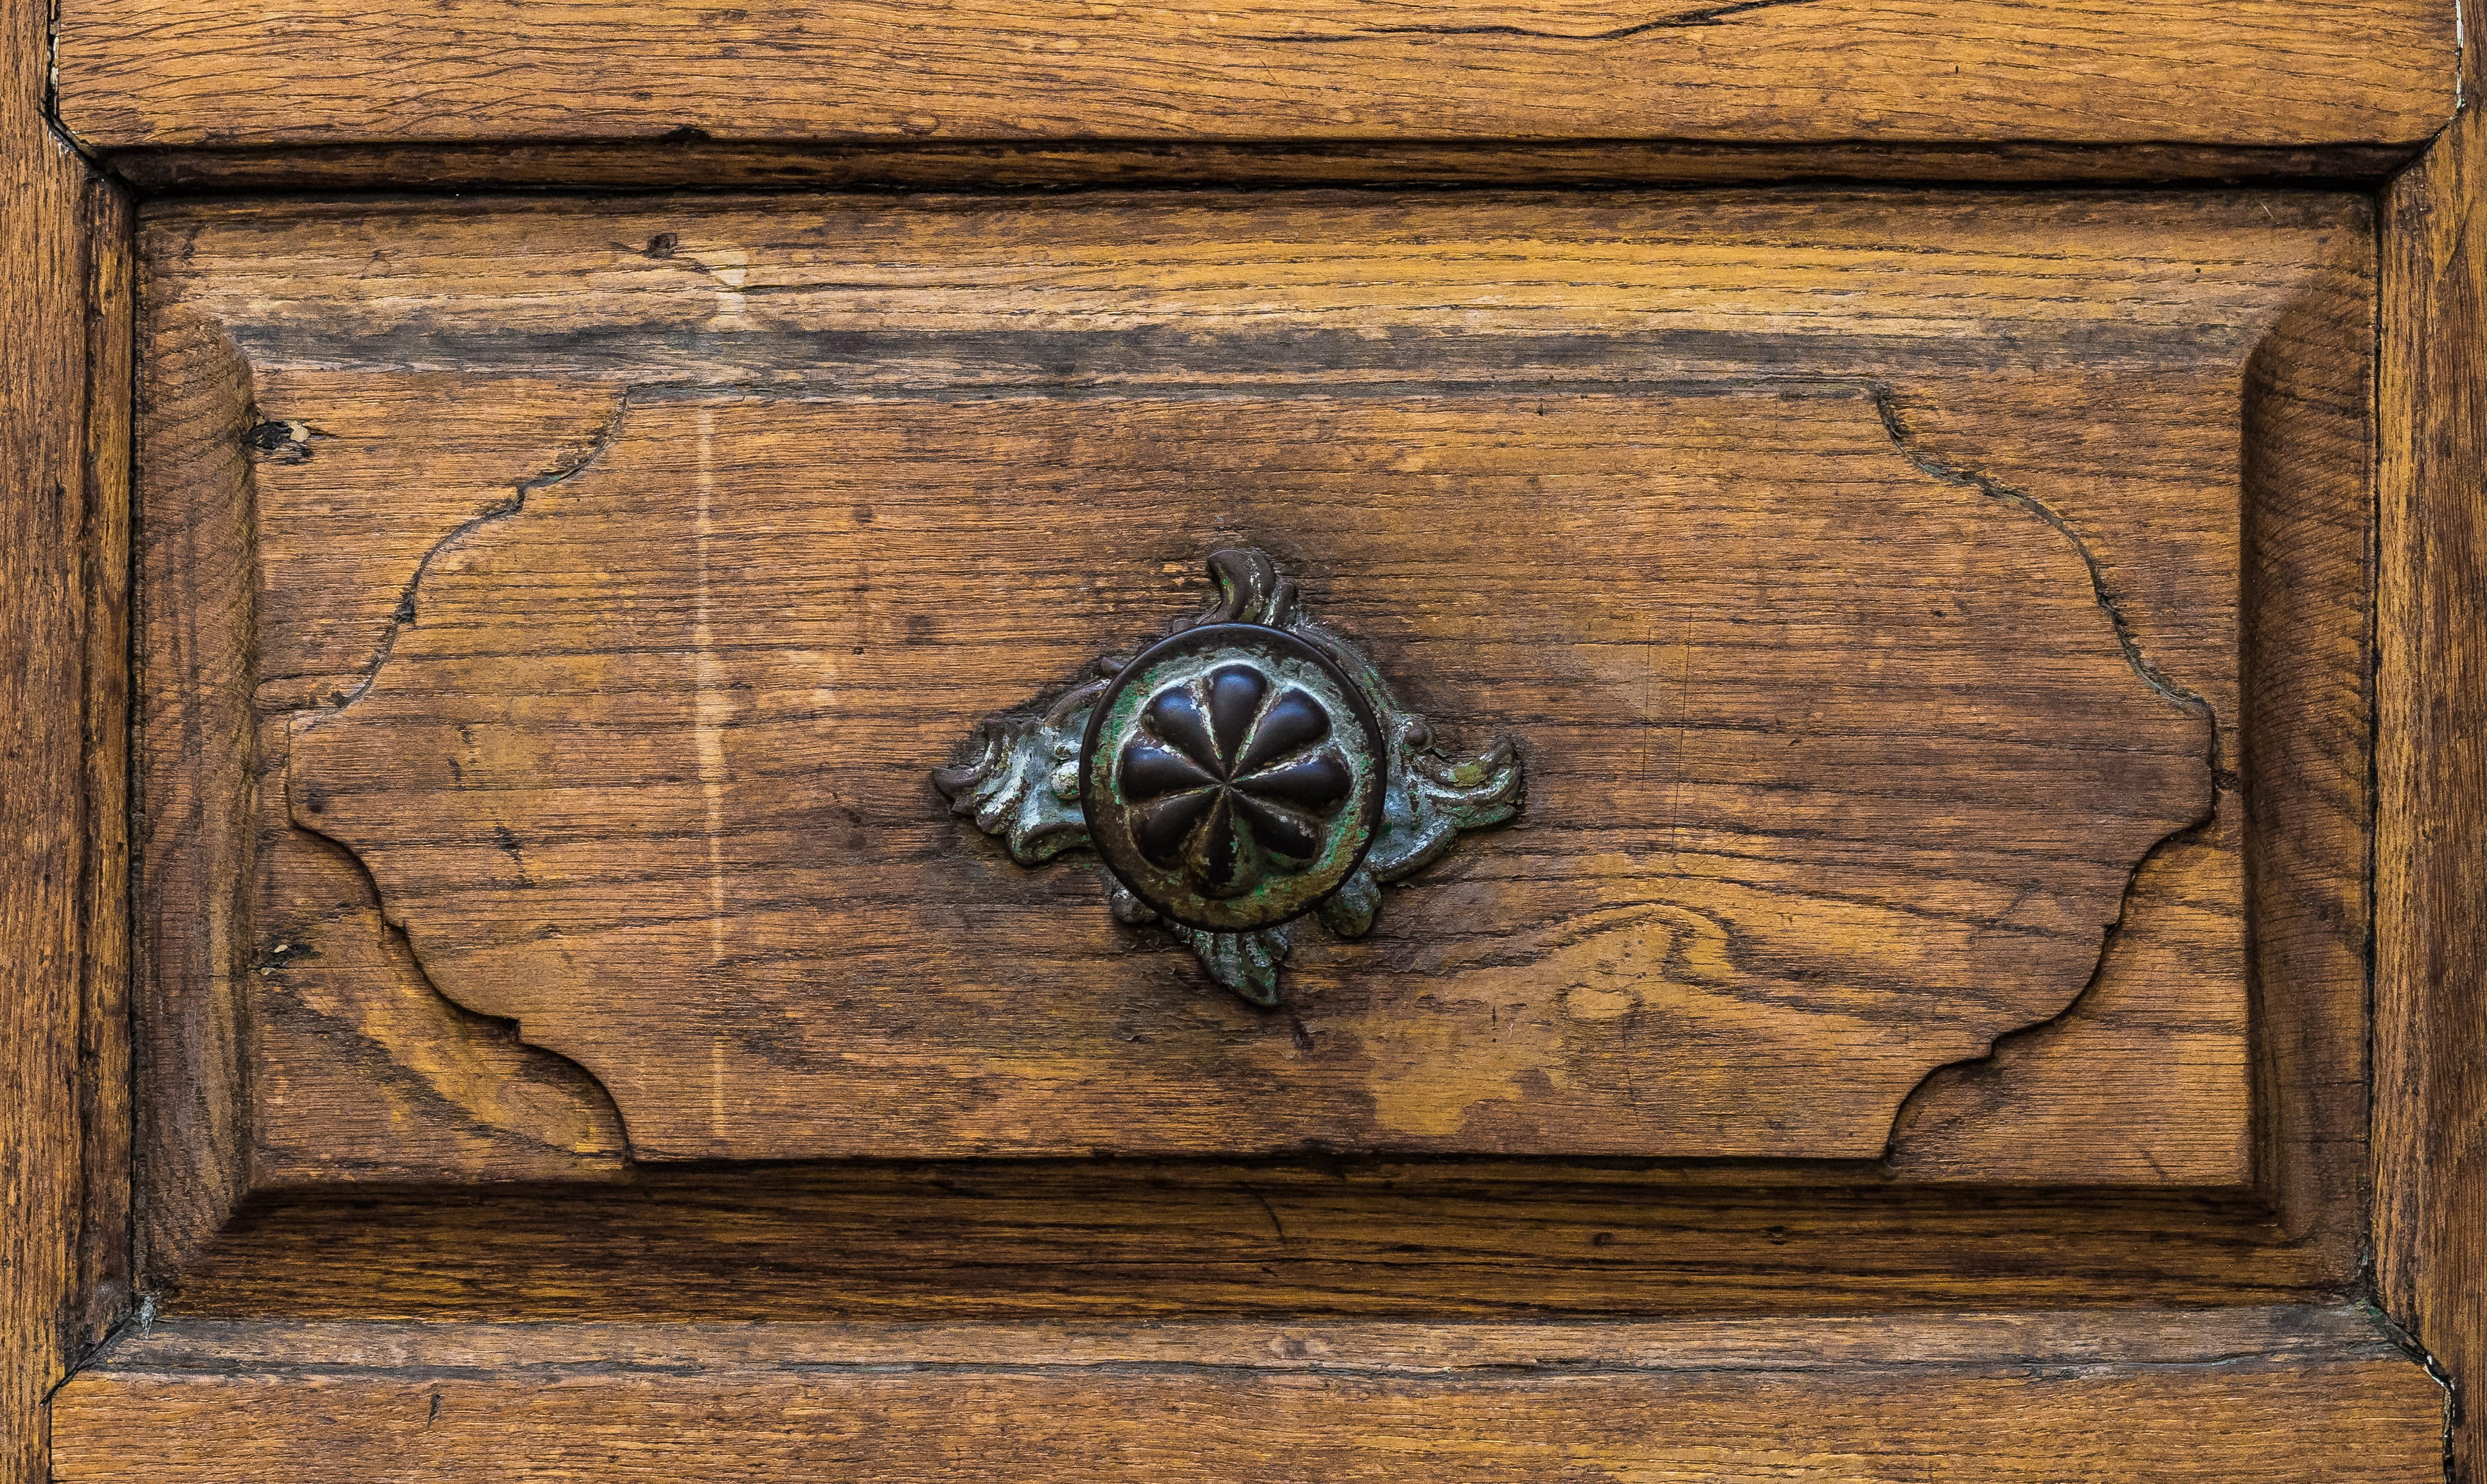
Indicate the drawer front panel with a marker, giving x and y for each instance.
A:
(1856, 574)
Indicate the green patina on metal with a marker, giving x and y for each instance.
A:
(1232, 777)
(1244, 774)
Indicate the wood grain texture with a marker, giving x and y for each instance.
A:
(1838, 772)
(359, 1066)
(106, 1064)
(2102, 419)
(64, 283)
(193, 621)
(2259, 1396)
(146, 72)
(1102, 1238)
(2430, 1231)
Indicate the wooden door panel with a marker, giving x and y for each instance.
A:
(402, 461)
(1933, 654)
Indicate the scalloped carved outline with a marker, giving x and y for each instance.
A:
(402, 933)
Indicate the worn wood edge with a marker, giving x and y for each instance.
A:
(2306, 629)
(322, 72)
(191, 629)
(660, 166)
(2012, 1337)
(2430, 984)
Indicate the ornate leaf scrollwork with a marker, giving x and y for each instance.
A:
(1245, 772)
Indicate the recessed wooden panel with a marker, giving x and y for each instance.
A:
(149, 73)
(2270, 1396)
(1532, 449)
(1838, 772)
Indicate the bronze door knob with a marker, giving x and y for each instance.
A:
(1232, 776)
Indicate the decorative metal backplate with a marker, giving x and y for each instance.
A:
(1244, 771)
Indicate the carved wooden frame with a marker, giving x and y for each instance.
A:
(65, 1114)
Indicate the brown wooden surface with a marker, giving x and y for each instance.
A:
(2023, 384)
(1102, 1238)
(2252, 1395)
(321, 418)
(152, 73)
(65, 285)
(1838, 772)
(192, 626)
(2431, 845)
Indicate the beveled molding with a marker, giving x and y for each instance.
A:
(1564, 1234)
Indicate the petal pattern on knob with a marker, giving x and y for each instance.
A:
(1282, 832)
(1235, 693)
(1318, 784)
(1180, 723)
(1152, 771)
(1293, 722)
(1234, 776)
(1163, 828)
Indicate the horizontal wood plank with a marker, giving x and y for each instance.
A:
(2267, 1397)
(192, 72)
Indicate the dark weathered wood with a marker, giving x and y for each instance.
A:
(64, 283)
(2274, 1397)
(105, 1061)
(292, 72)
(2430, 1200)
(701, 164)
